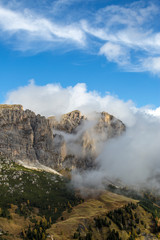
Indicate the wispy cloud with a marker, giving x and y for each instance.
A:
(128, 35)
(61, 5)
(152, 64)
(38, 28)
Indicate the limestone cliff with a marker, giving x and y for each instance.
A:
(72, 141)
(25, 136)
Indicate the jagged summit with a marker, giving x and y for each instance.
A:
(30, 138)
(68, 122)
(109, 123)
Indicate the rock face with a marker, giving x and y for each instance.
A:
(68, 122)
(25, 136)
(68, 143)
(109, 125)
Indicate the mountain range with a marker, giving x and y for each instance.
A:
(68, 142)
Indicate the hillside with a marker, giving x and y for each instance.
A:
(111, 217)
(41, 205)
(28, 195)
(82, 216)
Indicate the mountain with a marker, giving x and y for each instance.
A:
(35, 139)
(38, 202)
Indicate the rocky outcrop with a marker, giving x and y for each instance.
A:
(109, 126)
(68, 122)
(68, 142)
(85, 137)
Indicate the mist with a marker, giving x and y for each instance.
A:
(133, 157)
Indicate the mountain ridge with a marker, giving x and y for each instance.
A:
(28, 137)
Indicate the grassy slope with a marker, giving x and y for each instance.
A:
(33, 193)
(27, 195)
(84, 213)
(15, 225)
(82, 219)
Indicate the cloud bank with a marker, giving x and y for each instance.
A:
(52, 99)
(127, 35)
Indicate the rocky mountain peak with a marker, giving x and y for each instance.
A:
(68, 122)
(68, 142)
(106, 117)
(110, 125)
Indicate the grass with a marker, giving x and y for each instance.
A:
(80, 223)
(34, 193)
(151, 208)
(12, 227)
(28, 196)
(43, 190)
(75, 225)
(84, 213)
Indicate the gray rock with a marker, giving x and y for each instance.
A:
(29, 137)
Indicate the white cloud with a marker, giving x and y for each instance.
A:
(52, 99)
(115, 53)
(152, 64)
(154, 112)
(127, 35)
(38, 28)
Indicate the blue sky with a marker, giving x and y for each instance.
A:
(112, 46)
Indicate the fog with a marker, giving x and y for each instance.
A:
(133, 157)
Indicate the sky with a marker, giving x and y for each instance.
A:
(112, 47)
